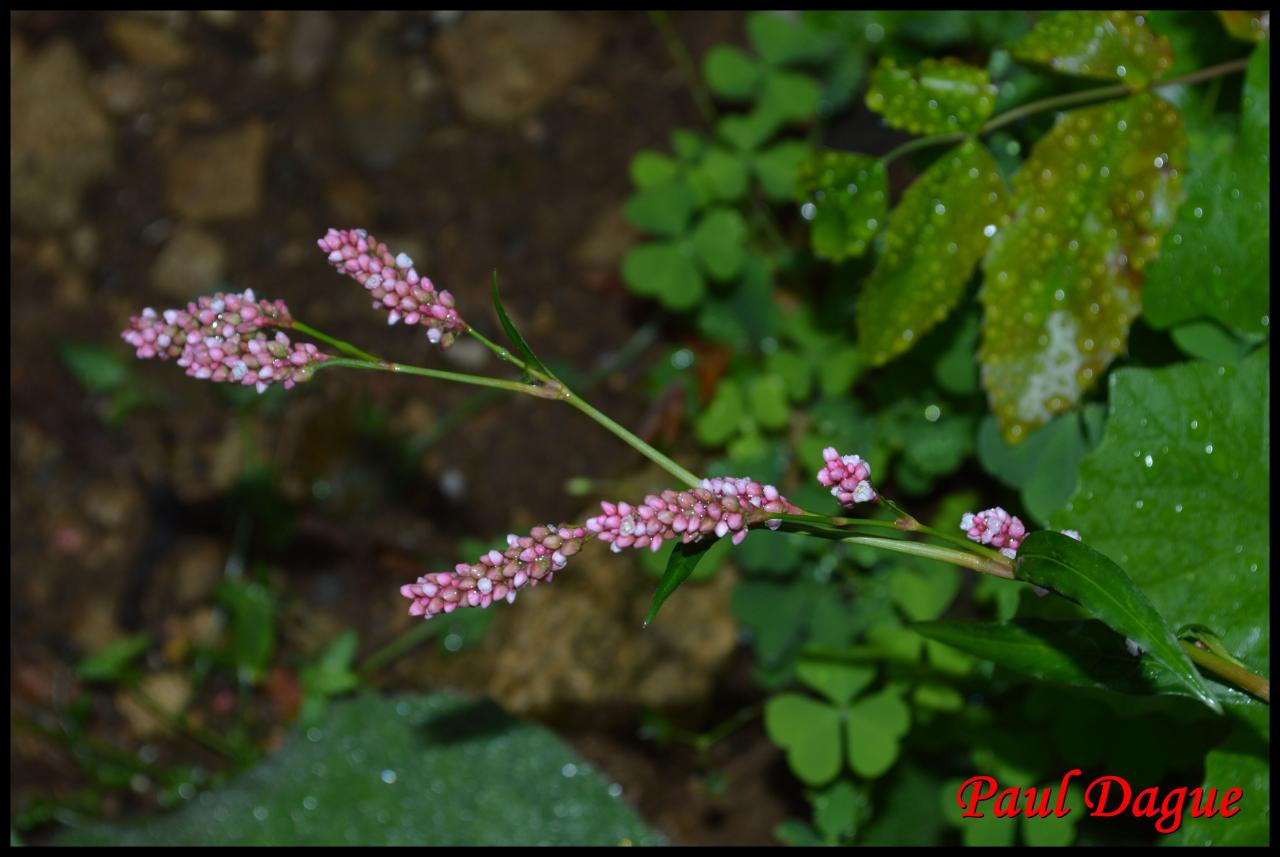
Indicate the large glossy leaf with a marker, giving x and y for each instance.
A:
(937, 233)
(845, 198)
(933, 97)
(1216, 260)
(436, 770)
(1084, 575)
(684, 559)
(1062, 281)
(1111, 45)
(1241, 762)
(1178, 493)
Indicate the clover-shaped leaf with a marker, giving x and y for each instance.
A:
(1062, 280)
(934, 97)
(809, 732)
(775, 167)
(875, 725)
(1110, 45)
(731, 72)
(666, 270)
(722, 174)
(790, 97)
(833, 676)
(663, 209)
(782, 40)
(649, 169)
(718, 240)
(767, 395)
(936, 235)
(722, 416)
(845, 199)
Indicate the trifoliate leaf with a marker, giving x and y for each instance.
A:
(731, 72)
(719, 240)
(775, 167)
(722, 416)
(809, 732)
(724, 173)
(834, 677)
(782, 40)
(790, 97)
(649, 168)
(663, 209)
(934, 97)
(1108, 45)
(875, 727)
(767, 395)
(845, 198)
(665, 270)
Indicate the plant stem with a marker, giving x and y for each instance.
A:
(965, 560)
(1069, 99)
(439, 374)
(341, 345)
(1237, 675)
(631, 440)
(417, 634)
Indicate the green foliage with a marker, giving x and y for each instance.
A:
(1241, 762)
(252, 620)
(360, 779)
(115, 661)
(683, 560)
(846, 198)
(1108, 45)
(934, 97)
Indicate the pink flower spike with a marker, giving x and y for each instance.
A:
(848, 477)
(994, 527)
(393, 283)
(498, 575)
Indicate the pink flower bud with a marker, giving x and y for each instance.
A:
(848, 477)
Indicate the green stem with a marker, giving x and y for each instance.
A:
(631, 440)
(341, 345)
(439, 374)
(416, 635)
(1234, 673)
(961, 558)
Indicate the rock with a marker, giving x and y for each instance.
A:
(60, 139)
(219, 176)
(191, 263)
(147, 43)
(505, 66)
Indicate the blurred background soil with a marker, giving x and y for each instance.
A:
(157, 156)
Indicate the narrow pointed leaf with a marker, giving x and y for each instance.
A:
(936, 235)
(684, 559)
(1108, 45)
(845, 199)
(514, 335)
(1062, 281)
(934, 97)
(1079, 572)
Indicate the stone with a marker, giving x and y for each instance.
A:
(60, 140)
(192, 263)
(503, 67)
(219, 176)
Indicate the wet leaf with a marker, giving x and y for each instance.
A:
(1216, 261)
(933, 97)
(1110, 45)
(1246, 26)
(361, 776)
(1179, 493)
(845, 199)
(1240, 762)
(936, 235)
(1061, 282)
(731, 72)
(1094, 581)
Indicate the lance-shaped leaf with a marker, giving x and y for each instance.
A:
(1179, 493)
(1091, 579)
(513, 334)
(1109, 45)
(933, 97)
(1216, 261)
(938, 232)
(1062, 281)
(845, 198)
(684, 559)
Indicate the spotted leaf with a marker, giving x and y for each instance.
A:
(1061, 281)
(1109, 45)
(845, 198)
(938, 232)
(933, 97)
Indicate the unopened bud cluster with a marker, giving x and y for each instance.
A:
(998, 528)
(719, 506)
(394, 284)
(848, 477)
(498, 575)
(223, 338)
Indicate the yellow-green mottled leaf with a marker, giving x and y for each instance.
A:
(1109, 45)
(1246, 26)
(845, 199)
(938, 232)
(934, 97)
(1062, 281)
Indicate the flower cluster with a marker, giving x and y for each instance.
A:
(222, 338)
(848, 477)
(721, 505)
(998, 528)
(394, 284)
(527, 561)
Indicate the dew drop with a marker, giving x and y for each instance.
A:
(1148, 461)
(1208, 449)
(388, 776)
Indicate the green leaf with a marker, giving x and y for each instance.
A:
(684, 559)
(1209, 341)
(1084, 575)
(331, 674)
(1179, 492)
(724, 173)
(792, 831)
(720, 242)
(934, 97)
(746, 131)
(845, 199)
(665, 270)
(688, 145)
(936, 235)
(875, 727)
(1241, 762)
(776, 166)
(1044, 466)
(360, 777)
(789, 97)
(722, 416)
(113, 661)
(1062, 281)
(796, 373)
(731, 72)
(782, 40)
(1107, 45)
(1216, 261)
(835, 678)
(514, 335)
(663, 209)
(767, 396)
(649, 168)
(1246, 26)
(99, 370)
(923, 593)
(253, 627)
(809, 732)
(837, 809)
